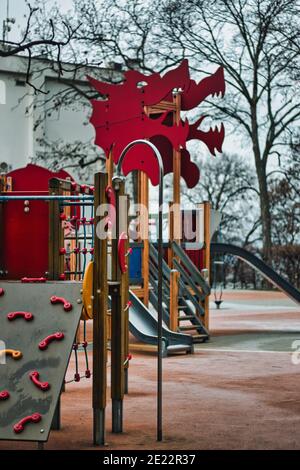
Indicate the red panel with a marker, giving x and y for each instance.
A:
(213, 138)
(26, 234)
(116, 136)
(197, 92)
(189, 170)
(126, 100)
(142, 158)
(119, 117)
(34, 178)
(25, 239)
(197, 256)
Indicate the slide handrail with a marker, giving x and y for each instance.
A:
(259, 265)
(188, 264)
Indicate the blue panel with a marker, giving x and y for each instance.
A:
(135, 264)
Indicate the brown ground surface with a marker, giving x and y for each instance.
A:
(212, 399)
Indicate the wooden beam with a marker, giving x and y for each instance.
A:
(139, 291)
(125, 309)
(171, 234)
(116, 289)
(109, 164)
(144, 231)
(56, 233)
(174, 291)
(176, 176)
(100, 300)
(206, 259)
(2, 222)
(161, 107)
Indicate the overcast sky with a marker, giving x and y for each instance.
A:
(17, 10)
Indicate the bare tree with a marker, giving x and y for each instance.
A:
(229, 184)
(34, 41)
(285, 207)
(257, 42)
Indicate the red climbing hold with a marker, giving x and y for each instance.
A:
(33, 279)
(2, 292)
(20, 426)
(25, 315)
(46, 341)
(4, 395)
(34, 376)
(61, 300)
(122, 243)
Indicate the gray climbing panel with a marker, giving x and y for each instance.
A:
(30, 385)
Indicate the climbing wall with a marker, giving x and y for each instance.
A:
(38, 323)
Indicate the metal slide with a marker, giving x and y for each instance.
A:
(260, 266)
(143, 325)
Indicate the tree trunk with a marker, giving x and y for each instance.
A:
(265, 211)
(260, 164)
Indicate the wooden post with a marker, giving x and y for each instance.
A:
(55, 260)
(206, 259)
(144, 230)
(100, 299)
(171, 234)
(117, 315)
(125, 299)
(109, 168)
(2, 189)
(56, 235)
(176, 176)
(174, 291)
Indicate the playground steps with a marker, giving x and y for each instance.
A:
(188, 327)
(185, 317)
(182, 307)
(193, 289)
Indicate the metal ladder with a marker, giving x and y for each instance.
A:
(192, 291)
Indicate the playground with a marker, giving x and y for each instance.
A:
(111, 339)
(239, 370)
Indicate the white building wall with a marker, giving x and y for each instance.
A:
(20, 107)
(69, 124)
(15, 127)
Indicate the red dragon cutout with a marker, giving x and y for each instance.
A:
(119, 116)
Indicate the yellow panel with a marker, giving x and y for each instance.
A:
(87, 294)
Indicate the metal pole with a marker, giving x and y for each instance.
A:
(160, 275)
(44, 198)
